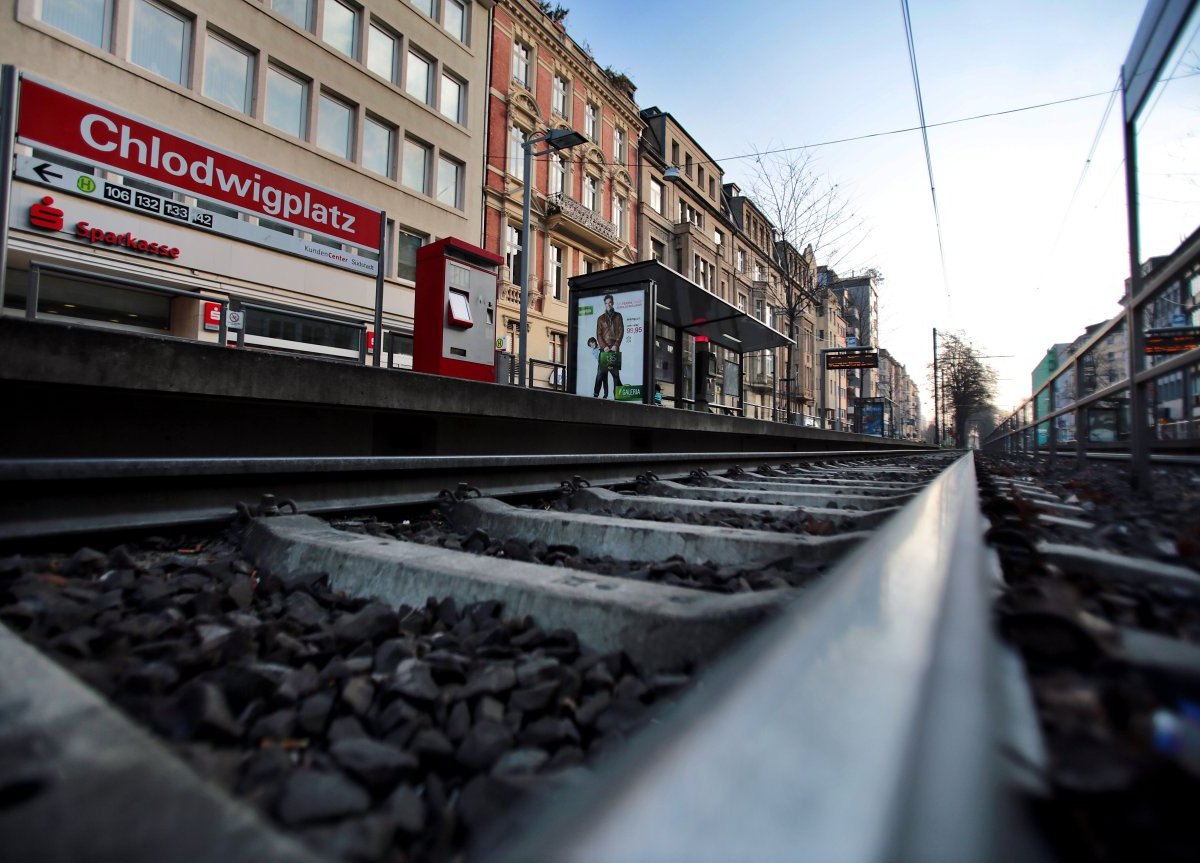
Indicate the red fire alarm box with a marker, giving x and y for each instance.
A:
(455, 310)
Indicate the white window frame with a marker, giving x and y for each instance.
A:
(450, 173)
(375, 34)
(619, 145)
(420, 60)
(327, 103)
(557, 175)
(183, 67)
(618, 215)
(305, 98)
(556, 261)
(452, 83)
(464, 26)
(560, 98)
(412, 146)
(284, 8)
(522, 62)
(512, 248)
(214, 40)
(389, 169)
(657, 198)
(61, 15)
(591, 192)
(516, 152)
(355, 13)
(591, 121)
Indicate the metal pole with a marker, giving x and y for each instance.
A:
(523, 259)
(8, 125)
(379, 274)
(1139, 445)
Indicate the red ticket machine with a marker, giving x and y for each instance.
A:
(454, 326)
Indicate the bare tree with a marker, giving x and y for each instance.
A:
(967, 385)
(811, 219)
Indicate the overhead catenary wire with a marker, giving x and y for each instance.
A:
(937, 218)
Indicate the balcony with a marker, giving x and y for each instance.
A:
(573, 218)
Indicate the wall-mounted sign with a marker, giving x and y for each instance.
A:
(48, 173)
(852, 358)
(1172, 340)
(48, 117)
(44, 215)
(212, 316)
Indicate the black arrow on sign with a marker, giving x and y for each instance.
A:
(43, 171)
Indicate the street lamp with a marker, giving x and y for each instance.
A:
(554, 139)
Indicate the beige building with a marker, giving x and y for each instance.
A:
(353, 108)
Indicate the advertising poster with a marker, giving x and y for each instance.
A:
(610, 348)
(872, 418)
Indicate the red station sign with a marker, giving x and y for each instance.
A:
(104, 136)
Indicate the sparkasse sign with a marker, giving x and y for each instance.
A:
(100, 134)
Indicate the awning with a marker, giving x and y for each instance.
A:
(688, 307)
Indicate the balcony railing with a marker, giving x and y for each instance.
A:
(577, 212)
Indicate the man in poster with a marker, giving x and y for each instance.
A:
(610, 332)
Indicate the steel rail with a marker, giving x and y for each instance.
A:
(862, 725)
(50, 497)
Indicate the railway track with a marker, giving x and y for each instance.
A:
(688, 657)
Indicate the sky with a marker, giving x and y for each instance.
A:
(1033, 234)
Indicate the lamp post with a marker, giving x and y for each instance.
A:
(554, 139)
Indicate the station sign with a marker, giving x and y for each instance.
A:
(52, 118)
(44, 172)
(852, 358)
(1172, 340)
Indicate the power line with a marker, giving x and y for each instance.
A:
(937, 218)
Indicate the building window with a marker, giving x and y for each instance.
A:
(407, 243)
(658, 250)
(741, 302)
(449, 182)
(452, 98)
(520, 64)
(700, 178)
(299, 12)
(381, 53)
(516, 152)
(687, 164)
(228, 74)
(558, 173)
(558, 348)
(618, 215)
(512, 250)
(591, 122)
(415, 173)
(591, 193)
(760, 309)
(287, 102)
(161, 41)
(455, 13)
(89, 21)
(656, 196)
(418, 81)
(702, 273)
(557, 256)
(558, 99)
(425, 6)
(712, 187)
(741, 260)
(675, 153)
(339, 29)
(619, 146)
(379, 142)
(335, 126)
(719, 239)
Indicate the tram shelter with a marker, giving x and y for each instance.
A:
(668, 325)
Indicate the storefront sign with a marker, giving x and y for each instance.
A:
(49, 117)
(43, 214)
(43, 172)
(212, 317)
